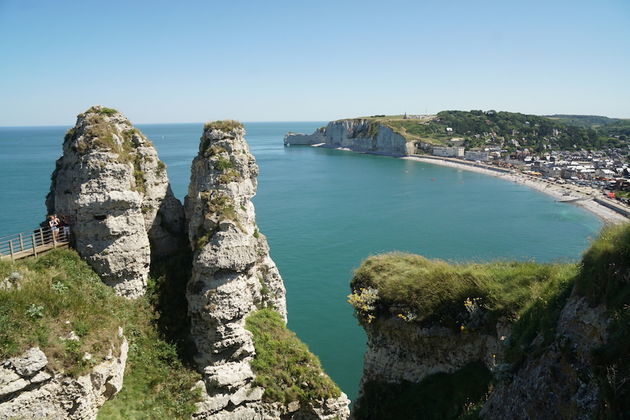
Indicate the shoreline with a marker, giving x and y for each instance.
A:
(575, 195)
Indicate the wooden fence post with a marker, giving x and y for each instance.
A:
(11, 249)
(41, 235)
(34, 246)
(21, 243)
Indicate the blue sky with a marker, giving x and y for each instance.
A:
(165, 61)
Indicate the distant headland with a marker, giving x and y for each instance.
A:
(574, 158)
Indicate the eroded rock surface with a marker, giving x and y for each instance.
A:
(29, 390)
(111, 186)
(557, 382)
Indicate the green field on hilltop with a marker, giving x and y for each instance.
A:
(510, 130)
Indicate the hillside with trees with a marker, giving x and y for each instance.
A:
(512, 130)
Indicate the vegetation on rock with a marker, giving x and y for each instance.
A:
(605, 279)
(58, 293)
(426, 291)
(531, 295)
(283, 364)
(222, 125)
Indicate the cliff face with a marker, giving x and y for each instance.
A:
(232, 276)
(500, 340)
(111, 186)
(401, 351)
(30, 390)
(557, 380)
(359, 135)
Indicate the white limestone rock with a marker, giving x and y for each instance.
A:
(111, 186)
(28, 390)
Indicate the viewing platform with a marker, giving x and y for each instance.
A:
(31, 244)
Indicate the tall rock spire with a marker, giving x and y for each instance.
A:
(233, 278)
(232, 271)
(111, 186)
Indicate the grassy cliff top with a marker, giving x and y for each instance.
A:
(473, 296)
(283, 364)
(433, 290)
(223, 125)
(605, 272)
(417, 289)
(58, 293)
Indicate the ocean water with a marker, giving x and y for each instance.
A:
(324, 211)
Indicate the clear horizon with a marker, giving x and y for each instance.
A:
(249, 122)
(160, 63)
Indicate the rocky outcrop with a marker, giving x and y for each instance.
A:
(29, 390)
(232, 276)
(299, 139)
(402, 351)
(359, 135)
(558, 380)
(114, 191)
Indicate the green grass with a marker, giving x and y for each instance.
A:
(59, 293)
(433, 291)
(283, 364)
(605, 273)
(222, 125)
(100, 110)
(223, 164)
(107, 111)
(439, 396)
(161, 167)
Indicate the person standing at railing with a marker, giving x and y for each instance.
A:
(53, 224)
(65, 227)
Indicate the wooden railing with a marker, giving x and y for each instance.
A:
(27, 244)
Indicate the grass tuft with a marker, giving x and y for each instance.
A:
(223, 125)
(283, 364)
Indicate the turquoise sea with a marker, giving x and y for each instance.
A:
(323, 211)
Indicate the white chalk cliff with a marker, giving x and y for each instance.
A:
(359, 135)
(29, 389)
(114, 190)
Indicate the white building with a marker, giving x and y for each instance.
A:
(481, 155)
(448, 151)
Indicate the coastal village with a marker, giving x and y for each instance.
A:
(605, 170)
